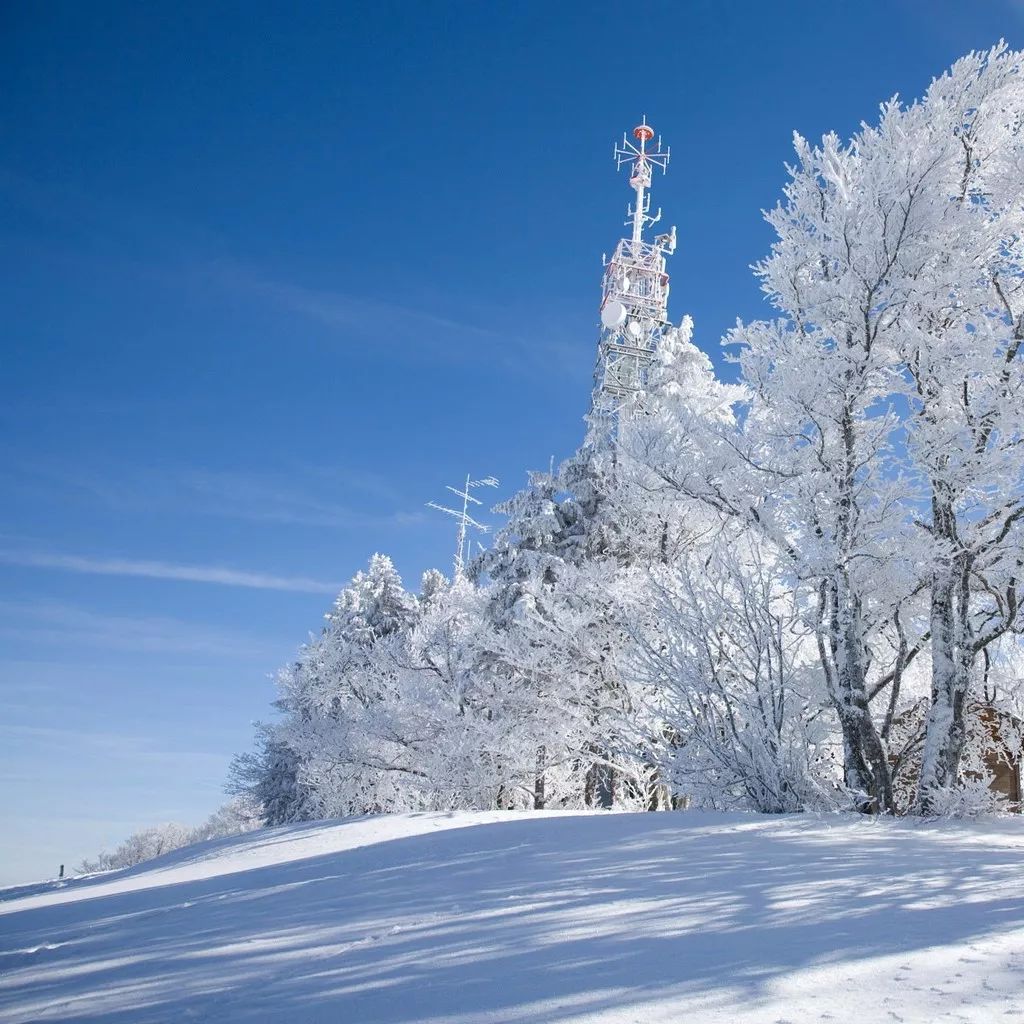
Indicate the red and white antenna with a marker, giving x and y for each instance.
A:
(465, 520)
(643, 161)
(634, 293)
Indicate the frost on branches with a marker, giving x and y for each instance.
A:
(799, 590)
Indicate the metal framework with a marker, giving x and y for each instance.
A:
(634, 292)
(465, 520)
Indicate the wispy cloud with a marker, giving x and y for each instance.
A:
(296, 495)
(129, 746)
(220, 575)
(55, 627)
(243, 495)
(358, 314)
(558, 343)
(419, 323)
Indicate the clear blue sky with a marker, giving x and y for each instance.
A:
(272, 275)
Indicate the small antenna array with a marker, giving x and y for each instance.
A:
(465, 520)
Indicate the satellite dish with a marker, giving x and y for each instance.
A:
(626, 284)
(613, 314)
(634, 329)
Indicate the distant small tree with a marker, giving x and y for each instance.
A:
(269, 776)
(237, 816)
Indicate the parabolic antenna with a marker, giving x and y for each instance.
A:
(613, 314)
(634, 329)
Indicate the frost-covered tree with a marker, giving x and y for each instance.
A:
(960, 345)
(455, 731)
(270, 776)
(336, 682)
(722, 644)
(552, 578)
(889, 384)
(818, 437)
(577, 546)
(550, 530)
(433, 585)
(308, 764)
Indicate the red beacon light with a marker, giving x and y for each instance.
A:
(644, 132)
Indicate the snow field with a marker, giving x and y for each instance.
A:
(524, 918)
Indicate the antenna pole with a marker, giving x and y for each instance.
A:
(640, 181)
(460, 542)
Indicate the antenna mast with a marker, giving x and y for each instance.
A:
(465, 520)
(634, 291)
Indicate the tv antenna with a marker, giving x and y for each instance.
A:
(464, 519)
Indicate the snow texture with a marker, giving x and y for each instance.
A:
(495, 916)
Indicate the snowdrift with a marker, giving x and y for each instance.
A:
(531, 918)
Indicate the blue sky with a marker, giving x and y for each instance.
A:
(272, 278)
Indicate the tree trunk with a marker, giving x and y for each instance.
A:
(866, 763)
(945, 729)
(600, 786)
(538, 780)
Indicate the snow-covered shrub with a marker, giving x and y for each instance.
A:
(722, 648)
(233, 818)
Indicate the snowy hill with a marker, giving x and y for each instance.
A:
(531, 918)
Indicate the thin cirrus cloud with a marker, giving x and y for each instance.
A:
(548, 344)
(341, 310)
(57, 628)
(441, 338)
(307, 496)
(220, 575)
(127, 746)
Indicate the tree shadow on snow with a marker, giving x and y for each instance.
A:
(525, 921)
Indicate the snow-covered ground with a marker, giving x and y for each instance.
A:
(528, 919)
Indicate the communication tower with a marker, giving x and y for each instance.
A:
(634, 291)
